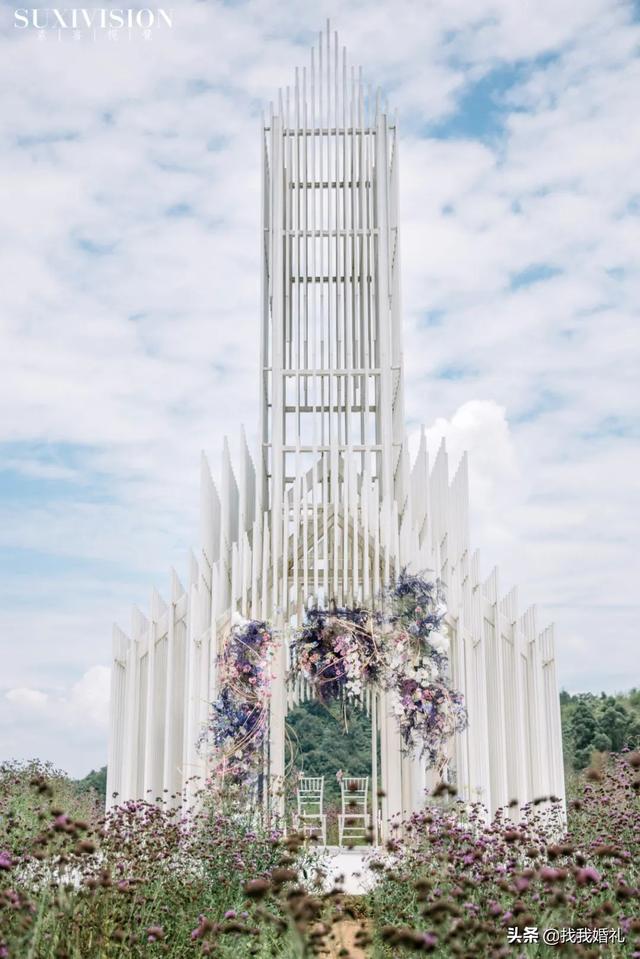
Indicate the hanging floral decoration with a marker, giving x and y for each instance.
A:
(338, 652)
(415, 609)
(427, 709)
(238, 719)
(428, 712)
(402, 648)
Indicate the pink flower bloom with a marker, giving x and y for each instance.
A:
(154, 933)
(588, 874)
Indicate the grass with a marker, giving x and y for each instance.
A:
(147, 880)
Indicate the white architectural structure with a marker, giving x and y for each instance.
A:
(331, 508)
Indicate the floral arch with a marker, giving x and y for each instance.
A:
(339, 654)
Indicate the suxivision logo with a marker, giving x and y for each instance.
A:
(88, 18)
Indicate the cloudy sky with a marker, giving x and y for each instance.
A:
(129, 171)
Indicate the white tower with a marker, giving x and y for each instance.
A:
(334, 510)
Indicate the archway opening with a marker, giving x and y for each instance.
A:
(333, 741)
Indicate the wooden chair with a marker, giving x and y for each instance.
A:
(353, 821)
(311, 817)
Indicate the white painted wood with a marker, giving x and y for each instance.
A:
(116, 755)
(330, 507)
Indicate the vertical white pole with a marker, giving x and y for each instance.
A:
(374, 767)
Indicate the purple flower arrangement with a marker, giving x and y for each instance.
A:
(338, 652)
(428, 714)
(428, 711)
(238, 718)
(402, 648)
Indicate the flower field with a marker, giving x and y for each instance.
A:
(147, 881)
(461, 887)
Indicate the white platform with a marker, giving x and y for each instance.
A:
(350, 864)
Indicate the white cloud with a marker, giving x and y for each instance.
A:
(27, 698)
(480, 428)
(89, 697)
(119, 365)
(86, 701)
(496, 483)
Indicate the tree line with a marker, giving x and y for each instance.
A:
(598, 723)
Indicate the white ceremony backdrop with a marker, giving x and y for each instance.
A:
(330, 506)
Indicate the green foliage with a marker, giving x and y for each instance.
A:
(321, 745)
(25, 788)
(95, 781)
(602, 723)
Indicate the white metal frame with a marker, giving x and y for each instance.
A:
(331, 507)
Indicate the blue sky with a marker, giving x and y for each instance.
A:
(130, 238)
